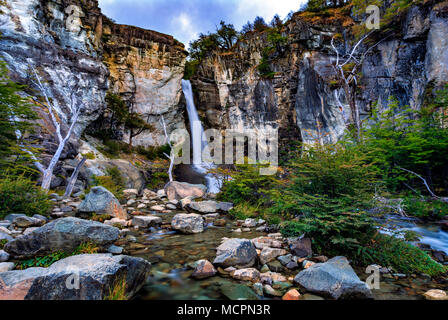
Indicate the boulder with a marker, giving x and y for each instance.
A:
(5, 236)
(179, 190)
(270, 254)
(204, 269)
(4, 256)
(250, 223)
(188, 223)
(64, 234)
(146, 221)
(301, 247)
(266, 242)
(82, 277)
(236, 253)
(249, 274)
(334, 279)
(436, 295)
(225, 206)
(102, 201)
(130, 193)
(26, 222)
(148, 194)
(6, 266)
(12, 216)
(204, 207)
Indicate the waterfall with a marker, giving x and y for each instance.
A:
(198, 140)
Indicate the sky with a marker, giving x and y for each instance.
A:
(186, 19)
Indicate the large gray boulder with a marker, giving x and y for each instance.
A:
(146, 221)
(102, 201)
(188, 223)
(82, 277)
(204, 207)
(63, 234)
(236, 253)
(180, 190)
(334, 279)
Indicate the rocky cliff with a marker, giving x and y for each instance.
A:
(70, 43)
(300, 98)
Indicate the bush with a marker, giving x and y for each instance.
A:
(113, 181)
(331, 188)
(248, 186)
(158, 180)
(432, 209)
(20, 195)
(403, 257)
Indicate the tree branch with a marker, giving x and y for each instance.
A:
(423, 179)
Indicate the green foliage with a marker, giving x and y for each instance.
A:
(112, 181)
(21, 195)
(275, 43)
(248, 186)
(153, 153)
(243, 211)
(403, 257)
(191, 66)
(401, 138)
(158, 180)
(3, 243)
(42, 262)
(16, 114)
(320, 5)
(432, 209)
(48, 260)
(330, 189)
(117, 291)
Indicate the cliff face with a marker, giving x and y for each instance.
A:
(70, 43)
(146, 69)
(300, 99)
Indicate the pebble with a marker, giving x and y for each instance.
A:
(258, 288)
(292, 295)
(436, 295)
(115, 249)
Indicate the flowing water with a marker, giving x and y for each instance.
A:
(199, 142)
(430, 234)
(172, 254)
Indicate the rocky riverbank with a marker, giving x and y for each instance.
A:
(177, 243)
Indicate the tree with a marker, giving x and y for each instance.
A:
(276, 22)
(260, 25)
(346, 68)
(76, 109)
(16, 114)
(227, 35)
(136, 126)
(248, 27)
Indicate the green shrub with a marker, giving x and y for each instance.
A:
(20, 195)
(247, 186)
(2, 243)
(48, 260)
(158, 180)
(403, 257)
(113, 181)
(433, 209)
(153, 153)
(243, 211)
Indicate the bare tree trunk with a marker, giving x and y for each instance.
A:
(74, 178)
(47, 173)
(171, 156)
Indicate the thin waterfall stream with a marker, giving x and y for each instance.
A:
(199, 141)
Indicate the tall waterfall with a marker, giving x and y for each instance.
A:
(199, 141)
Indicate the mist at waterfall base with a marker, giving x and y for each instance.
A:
(199, 142)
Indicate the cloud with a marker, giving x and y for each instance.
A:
(184, 26)
(185, 19)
